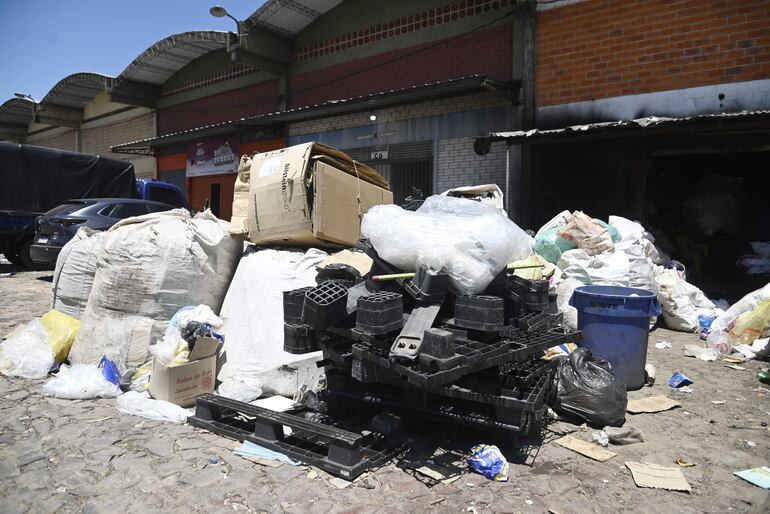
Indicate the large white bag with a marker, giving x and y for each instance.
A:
(609, 268)
(745, 304)
(149, 267)
(253, 323)
(469, 241)
(74, 273)
(682, 302)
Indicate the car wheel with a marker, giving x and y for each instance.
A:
(13, 256)
(26, 259)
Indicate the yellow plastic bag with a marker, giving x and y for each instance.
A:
(62, 330)
(749, 325)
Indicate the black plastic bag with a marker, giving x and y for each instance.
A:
(586, 388)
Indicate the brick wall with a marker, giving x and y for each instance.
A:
(66, 141)
(401, 113)
(247, 101)
(486, 52)
(98, 140)
(458, 165)
(605, 48)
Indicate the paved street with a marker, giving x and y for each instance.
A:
(85, 456)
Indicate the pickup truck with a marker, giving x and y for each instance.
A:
(34, 180)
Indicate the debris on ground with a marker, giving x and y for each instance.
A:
(585, 448)
(651, 404)
(658, 477)
(759, 476)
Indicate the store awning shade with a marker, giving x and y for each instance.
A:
(365, 103)
(749, 121)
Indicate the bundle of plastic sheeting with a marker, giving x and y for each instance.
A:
(682, 302)
(252, 314)
(148, 268)
(75, 270)
(26, 353)
(726, 320)
(469, 241)
(609, 268)
(140, 404)
(81, 381)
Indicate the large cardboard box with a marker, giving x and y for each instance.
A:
(181, 384)
(311, 194)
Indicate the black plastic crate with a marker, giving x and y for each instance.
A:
(299, 339)
(480, 312)
(325, 305)
(535, 321)
(292, 305)
(380, 313)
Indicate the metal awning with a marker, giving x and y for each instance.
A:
(77, 90)
(288, 17)
(364, 103)
(749, 121)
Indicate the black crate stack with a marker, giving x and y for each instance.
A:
(417, 347)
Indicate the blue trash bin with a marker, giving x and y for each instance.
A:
(616, 326)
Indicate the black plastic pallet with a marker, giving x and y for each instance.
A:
(476, 356)
(380, 313)
(534, 321)
(337, 451)
(292, 305)
(479, 312)
(529, 399)
(325, 305)
(519, 375)
(299, 339)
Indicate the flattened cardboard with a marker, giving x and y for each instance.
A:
(651, 404)
(658, 477)
(590, 450)
(296, 199)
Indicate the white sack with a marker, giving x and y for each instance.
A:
(682, 302)
(469, 241)
(150, 267)
(253, 321)
(641, 270)
(74, 273)
(557, 221)
(27, 352)
(609, 268)
(745, 304)
(563, 294)
(628, 230)
(79, 382)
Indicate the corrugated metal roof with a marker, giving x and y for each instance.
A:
(77, 90)
(389, 98)
(16, 111)
(288, 17)
(159, 62)
(619, 127)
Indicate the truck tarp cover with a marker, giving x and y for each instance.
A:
(36, 179)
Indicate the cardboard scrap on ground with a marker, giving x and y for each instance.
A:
(735, 367)
(651, 404)
(733, 360)
(585, 448)
(658, 477)
(757, 476)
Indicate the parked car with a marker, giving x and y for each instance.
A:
(56, 227)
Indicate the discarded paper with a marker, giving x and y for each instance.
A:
(585, 448)
(658, 477)
(651, 404)
(757, 476)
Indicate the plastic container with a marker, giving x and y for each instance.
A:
(615, 324)
(719, 341)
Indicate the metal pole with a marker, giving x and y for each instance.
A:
(508, 179)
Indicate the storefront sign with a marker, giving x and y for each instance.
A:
(213, 156)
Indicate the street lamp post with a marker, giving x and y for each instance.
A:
(27, 96)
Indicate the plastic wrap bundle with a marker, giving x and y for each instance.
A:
(149, 267)
(470, 241)
(74, 274)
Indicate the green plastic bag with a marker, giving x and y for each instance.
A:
(550, 246)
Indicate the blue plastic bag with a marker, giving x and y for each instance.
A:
(109, 370)
(487, 460)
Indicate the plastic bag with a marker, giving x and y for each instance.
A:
(140, 404)
(586, 388)
(79, 382)
(62, 330)
(550, 246)
(750, 325)
(682, 302)
(557, 222)
(609, 269)
(618, 435)
(487, 460)
(745, 304)
(587, 234)
(469, 241)
(245, 389)
(27, 352)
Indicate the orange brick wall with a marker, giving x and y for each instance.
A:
(605, 48)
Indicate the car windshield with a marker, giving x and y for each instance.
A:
(66, 208)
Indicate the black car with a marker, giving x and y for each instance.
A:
(56, 227)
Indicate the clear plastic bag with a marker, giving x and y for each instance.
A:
(470, 241)
(750, 325)
(140, 404)
(62, 330)
(81, 381)
(27, 352)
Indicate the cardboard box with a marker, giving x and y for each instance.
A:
(181, 384)
(311, 194)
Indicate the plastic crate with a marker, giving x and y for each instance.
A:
(325, 305)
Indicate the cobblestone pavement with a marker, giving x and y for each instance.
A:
(85, 456)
